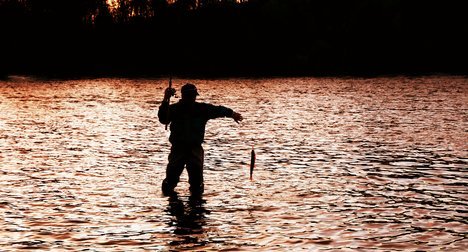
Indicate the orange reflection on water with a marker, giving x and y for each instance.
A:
(352, 164)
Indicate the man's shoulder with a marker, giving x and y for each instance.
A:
(177, 104)
(203, 105)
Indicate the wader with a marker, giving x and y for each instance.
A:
(190, 157)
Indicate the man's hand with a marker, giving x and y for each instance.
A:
(168, 93)
(237, 117)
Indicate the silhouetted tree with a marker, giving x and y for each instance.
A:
(219, 36)
(186, 5)
(102, 14)
(158, 8)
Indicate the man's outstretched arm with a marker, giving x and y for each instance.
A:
(221, 111)
(237, 117)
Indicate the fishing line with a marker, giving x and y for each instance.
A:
(252, 154)
(243, 138)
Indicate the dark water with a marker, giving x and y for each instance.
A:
(342, 165)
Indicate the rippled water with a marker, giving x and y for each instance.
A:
(343, 164)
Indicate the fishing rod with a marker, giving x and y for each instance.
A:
(169, 99)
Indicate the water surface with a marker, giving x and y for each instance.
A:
(343, 164)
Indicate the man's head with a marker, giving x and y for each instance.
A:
(189, 92)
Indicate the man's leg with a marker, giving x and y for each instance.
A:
(195, 170)
(177, 159)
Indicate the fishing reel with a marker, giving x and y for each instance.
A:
(171, 92)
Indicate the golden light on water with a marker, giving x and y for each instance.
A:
(341, 163)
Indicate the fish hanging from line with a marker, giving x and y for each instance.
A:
(252, 162)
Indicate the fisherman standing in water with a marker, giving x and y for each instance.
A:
(187, 120)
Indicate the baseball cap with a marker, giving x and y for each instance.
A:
(189, 88)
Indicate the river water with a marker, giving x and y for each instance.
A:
(343, 164)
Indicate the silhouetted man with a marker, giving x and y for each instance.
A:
(187, 120)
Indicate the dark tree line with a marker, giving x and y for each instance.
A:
(228, 37)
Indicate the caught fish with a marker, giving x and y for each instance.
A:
(252, 162)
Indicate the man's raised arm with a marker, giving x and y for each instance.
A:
(163, 113)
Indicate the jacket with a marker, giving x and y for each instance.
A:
(188, 120)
